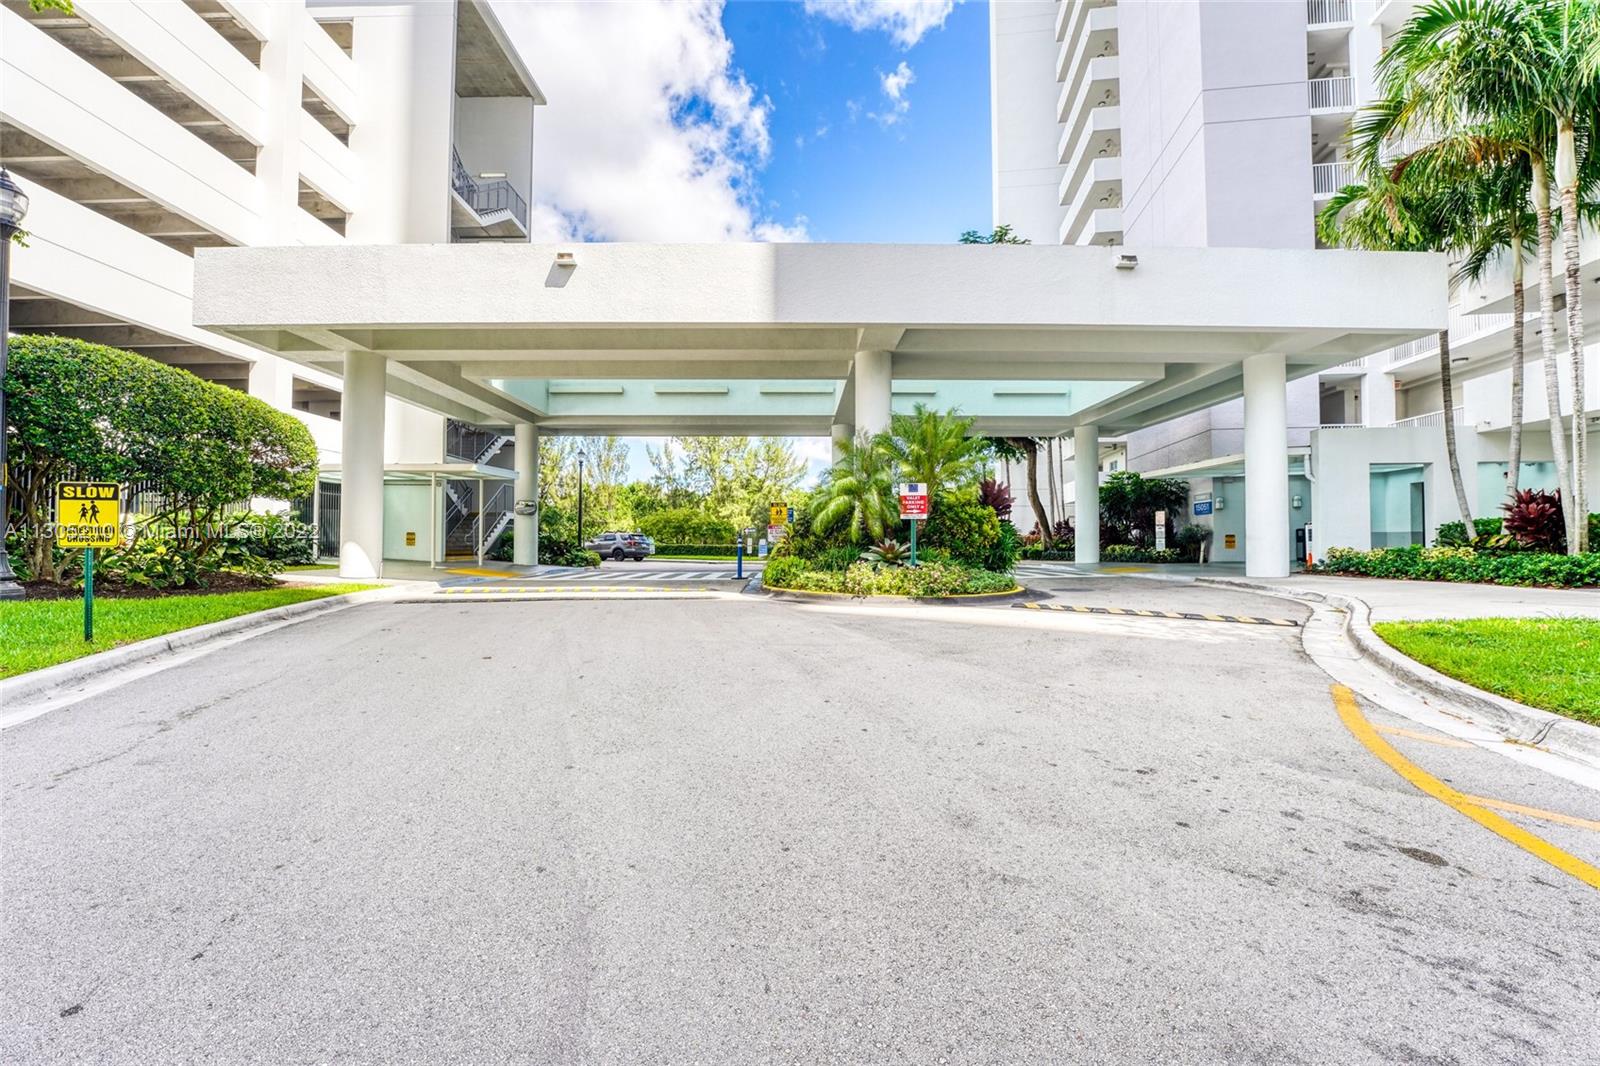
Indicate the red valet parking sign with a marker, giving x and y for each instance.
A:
(913, 500)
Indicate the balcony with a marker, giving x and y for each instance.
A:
(1098, 135)
(1093, 35)
(1100, 189)
(1332, 94)
(1102, 226)
(1352, 368)
(1096, 87)
(1327, 12)
(1432, 418)
(485, 210)
(1328, 178)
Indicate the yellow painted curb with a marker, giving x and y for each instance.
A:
(1350, 714)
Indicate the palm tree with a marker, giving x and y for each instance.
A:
(934, 447)
(1525, 73)
(1392, 215)
(1503, 225)
(859, 490)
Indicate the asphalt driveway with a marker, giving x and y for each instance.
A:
(746, 831)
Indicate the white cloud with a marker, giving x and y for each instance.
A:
(651, 133)
(895, 84)
(904, 20)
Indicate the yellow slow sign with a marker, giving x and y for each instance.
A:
(88, 514)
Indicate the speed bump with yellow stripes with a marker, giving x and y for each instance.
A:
(572, 591)
(1184, 616)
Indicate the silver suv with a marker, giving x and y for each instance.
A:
(635, 546)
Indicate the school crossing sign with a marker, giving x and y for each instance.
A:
(88, 514)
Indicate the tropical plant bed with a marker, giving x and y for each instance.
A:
(1551, 663)
(930, 581)
(118, 590)
(40, 633)
(1416, 563)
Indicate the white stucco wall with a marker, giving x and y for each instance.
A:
(1216, 136)
(1023, 122)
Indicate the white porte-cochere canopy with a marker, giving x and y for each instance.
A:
(799, 339)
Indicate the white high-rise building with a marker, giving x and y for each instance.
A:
(1225, 123)
(145, 129)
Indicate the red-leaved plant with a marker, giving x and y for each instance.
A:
(1533, 519)
(996, 497)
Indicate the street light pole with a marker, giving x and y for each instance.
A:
(581, 458)
(13, 209)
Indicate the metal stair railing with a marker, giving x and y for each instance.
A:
(486, 198)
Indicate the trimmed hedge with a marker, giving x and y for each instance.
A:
(81, 411)
(1417, 563)
(719, 550)
(1130, 553)
(931, 581)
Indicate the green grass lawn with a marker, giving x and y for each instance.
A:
(41, 633)
(302, 567)
(1553, 663)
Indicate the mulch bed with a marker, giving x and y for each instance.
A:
(46, 590)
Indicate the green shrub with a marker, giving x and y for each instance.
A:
(1129, 502)
(1188, 541)
(1415, 562)
(1131, 553)
(962, 524)
(686, 525)
(278, 536)
(804, 542)
(783, 571)
(721, 551)
(84, 411)
(1454, 534)
(1003, 556)
(835, 559)
(866, 579)
(163, 556)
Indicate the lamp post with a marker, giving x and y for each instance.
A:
(581, 458)
(13, 208)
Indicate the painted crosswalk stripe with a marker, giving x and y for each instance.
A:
(1138, 612)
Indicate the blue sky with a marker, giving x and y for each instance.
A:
(690, 120)
(842, 157)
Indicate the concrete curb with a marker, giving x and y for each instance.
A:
(1515, 721)
(52, 681)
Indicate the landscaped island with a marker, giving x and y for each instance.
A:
(848, 538)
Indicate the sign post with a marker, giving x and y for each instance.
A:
(88, 516)
(913, 508)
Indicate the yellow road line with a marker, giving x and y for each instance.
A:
(1536, 812)
(1430, 738)
(1350, 714)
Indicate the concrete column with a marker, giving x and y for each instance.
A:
(1086, 494)
(361, 466)
(278, 159)
(525, 527)
(843, 434)
(1266, 467)
(406, 56)
(272, 380)
(874, 384)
